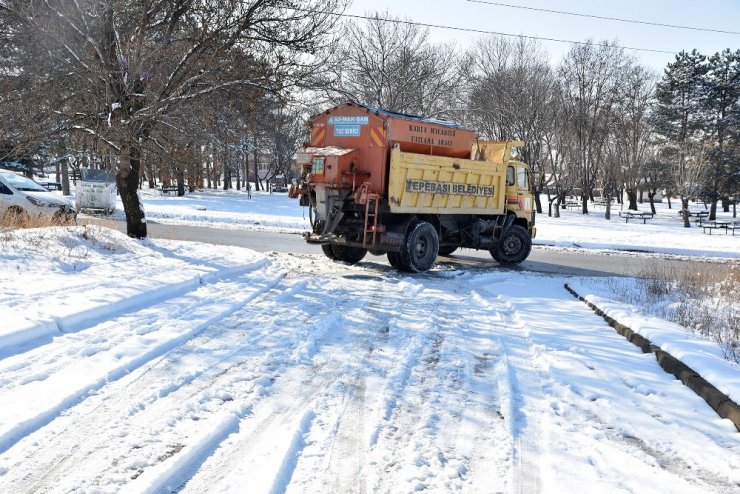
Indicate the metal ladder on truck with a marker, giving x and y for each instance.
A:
(371, 228)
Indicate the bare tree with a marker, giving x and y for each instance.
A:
(512, 96)
(393, 65)
(560, 179)
(590, 86)
(123, 68)
(632, 131)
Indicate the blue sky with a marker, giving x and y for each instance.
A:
(713, 14)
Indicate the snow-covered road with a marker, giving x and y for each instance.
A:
(289, 373)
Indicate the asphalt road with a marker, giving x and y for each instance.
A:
(543, 259)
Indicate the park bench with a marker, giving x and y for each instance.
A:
(640, 215)
(573, 205)
(50, 185)
(166, 189)
(602, 202)
(726, 225)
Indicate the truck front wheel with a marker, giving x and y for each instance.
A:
(420, 249)
(513, 247)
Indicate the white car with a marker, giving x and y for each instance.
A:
(21, 198)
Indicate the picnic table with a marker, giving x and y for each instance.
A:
(697, 215)
(603, 202)
(572, 205)
(640, 215)
(49, 185)
(726, 225)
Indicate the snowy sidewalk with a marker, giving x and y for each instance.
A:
(704, 357)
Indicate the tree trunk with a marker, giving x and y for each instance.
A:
(127, 180)
(685, 212)
(538, 203)
(65, 177)
(246, 170)
(180, 174)
(632, 197)
(256, 174)
(713, 210)
(651, 198)
(150, 172)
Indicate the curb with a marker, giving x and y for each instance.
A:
(720, 402)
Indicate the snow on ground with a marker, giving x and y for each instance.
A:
(276, 212)
(159, 366)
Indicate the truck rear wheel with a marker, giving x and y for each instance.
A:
(513, 247)
(328, 251)
(420, 248)
(394, 259)
(350, 255)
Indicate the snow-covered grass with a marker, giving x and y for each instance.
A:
(701, 298)
(158, 365)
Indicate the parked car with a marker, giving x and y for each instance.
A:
(22, 199)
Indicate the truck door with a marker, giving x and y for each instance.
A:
(523, 188)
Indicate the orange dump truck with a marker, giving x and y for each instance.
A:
(412, 188)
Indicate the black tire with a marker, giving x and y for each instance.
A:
(513, 247)
(420, 248)
(447, 250)
(394, 259)
(328, 251)
(350, 255)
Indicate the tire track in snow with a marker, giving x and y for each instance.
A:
(46, 398)
(38, 363)
(142, 409)
(264, 447)
(250, 455)
(339, 442)
(426, 442)
(517, 380)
